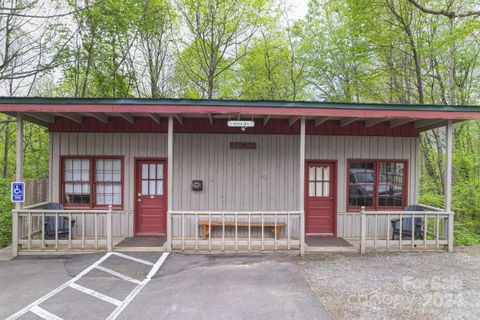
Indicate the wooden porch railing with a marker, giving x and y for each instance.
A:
(236, 230)
(430, 228)
(87, 229)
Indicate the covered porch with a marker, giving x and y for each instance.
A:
(201, 227)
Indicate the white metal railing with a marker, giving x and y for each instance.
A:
(236, 230)
(429, 228)
(82, 229)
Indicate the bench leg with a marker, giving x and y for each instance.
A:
(205, 231)
(275, 231)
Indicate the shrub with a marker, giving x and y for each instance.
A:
(467, 233)
(5, 214)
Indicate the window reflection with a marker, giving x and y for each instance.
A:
(390, 187)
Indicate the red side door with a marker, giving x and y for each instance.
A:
(150, 197)
(320, 213)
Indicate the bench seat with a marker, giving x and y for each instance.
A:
(274, 228)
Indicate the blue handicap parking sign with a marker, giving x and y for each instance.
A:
(18, 191)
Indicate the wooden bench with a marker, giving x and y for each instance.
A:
(274, 228)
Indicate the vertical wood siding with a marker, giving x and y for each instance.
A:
(128, 145)
(342, 148)
(261, 179)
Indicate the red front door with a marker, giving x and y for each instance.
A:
(150, 197)
(320, 198)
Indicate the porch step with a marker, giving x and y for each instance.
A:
(333, 245)
(149, 244)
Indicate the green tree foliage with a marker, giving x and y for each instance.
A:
(105, 34)
(274, 67)
(219, 34)
(157, 27)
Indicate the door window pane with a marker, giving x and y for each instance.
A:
(319, 173)
(326, 189)
(319, 192)
(152, 180)
(152, 171)
(151, 188)
(159, 188)
(311, 173)
(311, 189)
(159, 171)
(326, 173)
(144, 186)
(319, 181)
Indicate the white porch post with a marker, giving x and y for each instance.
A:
(302, 186)
(109, 229)
(18, 177)
(363, 231)
(448, 183)
(170, 182)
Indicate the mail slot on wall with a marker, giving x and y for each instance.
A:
(197, 185)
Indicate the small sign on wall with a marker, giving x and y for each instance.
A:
(243, 145)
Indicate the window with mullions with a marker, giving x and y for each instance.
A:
(362, 184)
(92, 182)
(319, 181)
(377, 184)
(77, 181)
(108, 182)
(152, 179)
(391, 185)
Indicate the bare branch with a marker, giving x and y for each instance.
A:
(446, 13)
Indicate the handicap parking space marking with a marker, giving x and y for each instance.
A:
(95, 294)
(118, 275)
(148, 263)
(120, 305)
(42, 313)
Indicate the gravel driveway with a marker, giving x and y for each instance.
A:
(397, 285)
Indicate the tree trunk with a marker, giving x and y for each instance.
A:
(6, 145)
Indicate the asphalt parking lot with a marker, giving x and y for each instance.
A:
(151, 286)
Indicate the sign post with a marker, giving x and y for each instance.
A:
(18, 192)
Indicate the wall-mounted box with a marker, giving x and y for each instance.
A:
(197, 185)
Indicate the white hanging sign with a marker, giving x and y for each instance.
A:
(241, 123)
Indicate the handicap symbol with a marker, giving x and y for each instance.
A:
(17, 190)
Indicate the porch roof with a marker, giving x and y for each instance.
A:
(44, 111)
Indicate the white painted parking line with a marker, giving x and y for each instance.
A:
(42, 313)
(58, 289)
(157, 265)
(120, 305)
(138, 288)
(95, 294)
(118, 274)
(148, 263)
